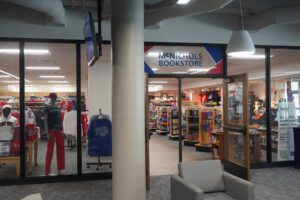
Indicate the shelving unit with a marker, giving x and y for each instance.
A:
(162, 124)
(192, 127)
(211, 119)
(217, 145)
(173, 124)
(152, 117)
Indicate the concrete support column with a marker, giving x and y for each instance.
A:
(128, 115)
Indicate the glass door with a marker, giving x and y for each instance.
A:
(236, 134)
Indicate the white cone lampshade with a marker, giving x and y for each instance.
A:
(240, 44)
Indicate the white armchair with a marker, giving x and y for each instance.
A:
(33, 197)
(205, 180)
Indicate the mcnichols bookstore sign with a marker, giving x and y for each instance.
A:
(183, 60)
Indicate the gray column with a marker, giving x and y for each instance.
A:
(128, 115)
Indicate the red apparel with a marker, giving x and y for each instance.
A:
(58, 137)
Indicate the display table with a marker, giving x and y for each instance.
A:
(11, 160)
(31, 146)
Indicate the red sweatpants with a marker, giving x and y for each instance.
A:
(57, 136)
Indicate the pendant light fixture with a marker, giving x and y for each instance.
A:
(240, 43)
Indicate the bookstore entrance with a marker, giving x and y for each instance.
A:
(192, 119)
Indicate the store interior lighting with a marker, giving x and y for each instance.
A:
(158, 82)
(183, 2)
(4, 76)
(43, 76)
(179, 72)
(292, 72)
(26, 51)
(253, 56)
(10, 81)
(154, 69)
(11, 75)
(240, 42)
(42, 68)
(58, 81)
(61, 85)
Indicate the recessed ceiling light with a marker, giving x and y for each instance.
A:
(58, 81)
(200, 69)
(253, 56)
(10, 81)
(61, 85)
(26, 51)
(52, 76)
(179, 72)
(153, 54)
(182, 2)
(292, 72)
(158, 82)
(9, 74)
(4, 76)
(42, 68)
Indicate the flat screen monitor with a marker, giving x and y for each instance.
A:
(91, 46)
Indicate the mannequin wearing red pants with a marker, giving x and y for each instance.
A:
(55, 132)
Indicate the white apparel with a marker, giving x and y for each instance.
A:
(70, 123)
(7, 127)
(29, 117)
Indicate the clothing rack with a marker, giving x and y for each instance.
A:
(99, 163)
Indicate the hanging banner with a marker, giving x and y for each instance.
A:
(183, 60)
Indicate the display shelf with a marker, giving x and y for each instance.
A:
(174, 122)
(211, 118)
(217, 145)
(187, 142)
(160, 132)
(162, 124)
(203, 148)
(173, 137)
(192, 126)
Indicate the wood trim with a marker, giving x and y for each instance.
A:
(244, 79)
(147, 134)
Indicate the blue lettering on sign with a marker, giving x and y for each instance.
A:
(176, 59)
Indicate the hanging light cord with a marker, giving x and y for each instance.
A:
(242, 16)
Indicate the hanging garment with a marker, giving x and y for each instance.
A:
(70, 123)
(7, 127)
(58, 137)
(16, 115)
(29, 117)
(31, 133)
(84, 121)
(100, 137)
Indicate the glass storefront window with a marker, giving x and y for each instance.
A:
(9, 110)
(96, 84)
(254, 66)
(285, 80)
(50, 109)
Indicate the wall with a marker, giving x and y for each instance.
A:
(100, 88)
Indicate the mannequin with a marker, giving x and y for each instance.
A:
(55, 134)
(7, 124)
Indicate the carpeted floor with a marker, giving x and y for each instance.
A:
(270, 184)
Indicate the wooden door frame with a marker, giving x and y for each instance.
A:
(240, 128)
(147, 134)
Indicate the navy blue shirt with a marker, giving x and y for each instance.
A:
(54, 121)
(100, 137)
